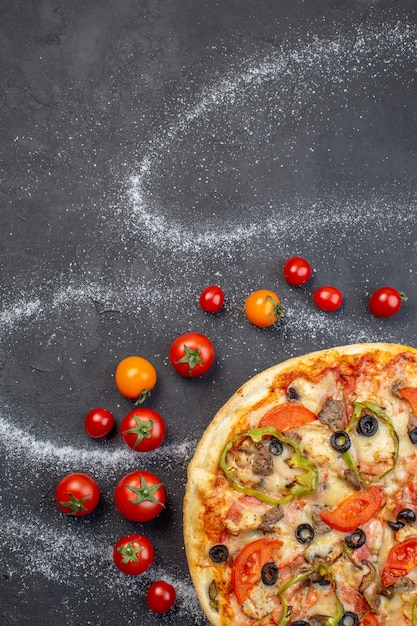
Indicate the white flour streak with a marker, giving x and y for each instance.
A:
(21, 311)
(100, 461)
(158, 226)
(358, 215)
(57, 298)
(52, 551)
(326, 330)
(68, 556)
(307, 70)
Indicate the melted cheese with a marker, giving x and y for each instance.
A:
(327, 548)
(372, 456)
(313, 394)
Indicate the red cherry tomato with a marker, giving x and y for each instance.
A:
(297, 270)
(133, 554)
(77, 494)
(328, 298)
(386, 301)
(192, 354)
(143, 429)
(212, 299)
(140, 496)
(161, 596)
(98, 423)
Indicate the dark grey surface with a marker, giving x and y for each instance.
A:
(149, 149)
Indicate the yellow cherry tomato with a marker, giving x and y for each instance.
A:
(263, 308)
(135, 377)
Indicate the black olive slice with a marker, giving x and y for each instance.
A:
(407, 516)
(219, 553)
(275, 447)
(340, 441)
(349, 619)
(304, 533)
(367, 426)
(356, 539)
(269, 574)
(292, 394)
(322, 581)
(412, 433)
(300, 622)
(396, 525)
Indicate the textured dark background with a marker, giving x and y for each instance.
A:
(148, 149)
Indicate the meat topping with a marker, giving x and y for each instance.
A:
(403, 585)
(352, 479)
(333, 414)
(262, 463)
(271, 517)
(320, 527)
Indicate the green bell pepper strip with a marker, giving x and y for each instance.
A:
(304, 483)
(414, 613)
(376, 410)
(213, 596)
(322, 571)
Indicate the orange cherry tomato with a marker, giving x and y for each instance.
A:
(354, 510)
(263, 308)
(135, 377)
(287, 416)
(248, 564)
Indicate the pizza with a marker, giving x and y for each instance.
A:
(301, 498)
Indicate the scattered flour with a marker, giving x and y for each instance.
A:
(41, 454)
(296, 75)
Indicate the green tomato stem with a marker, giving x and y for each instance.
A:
(191, 356)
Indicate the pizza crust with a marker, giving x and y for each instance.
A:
(257, 394)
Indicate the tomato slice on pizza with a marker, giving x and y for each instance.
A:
(287, 416)
(401, 559)
(354, 510)
(369, 619)
(256, 560)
